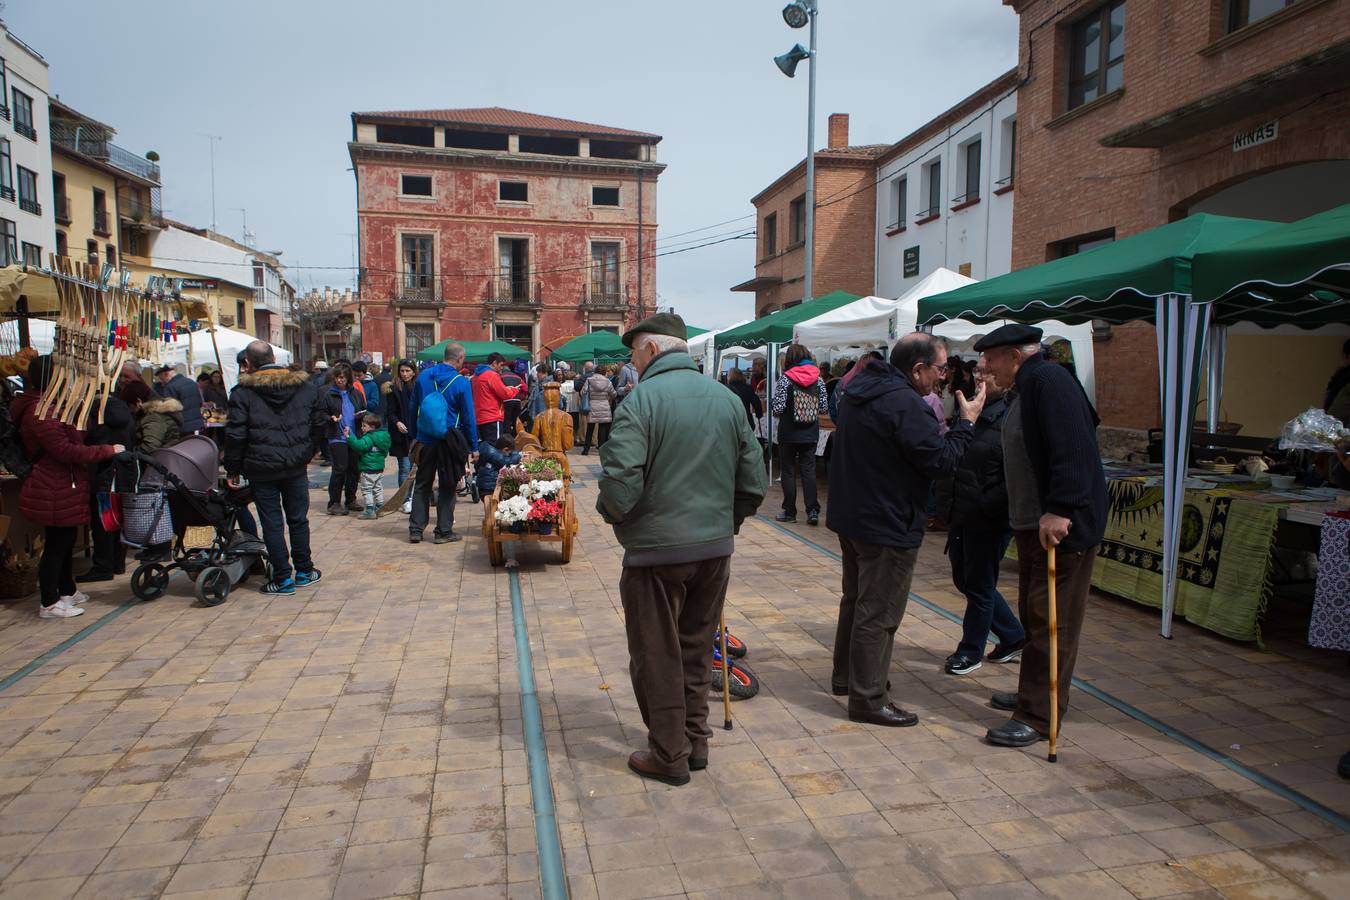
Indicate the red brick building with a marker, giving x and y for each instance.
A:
(845, 245)
(480, 224)
(1134, 113)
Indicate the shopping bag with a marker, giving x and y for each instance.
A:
(146, 520)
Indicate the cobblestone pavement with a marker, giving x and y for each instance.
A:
(363, 739)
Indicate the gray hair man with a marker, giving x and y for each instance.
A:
(887, 453)
(1056, 498)
(681, 471)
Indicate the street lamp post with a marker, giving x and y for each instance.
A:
(798, 14)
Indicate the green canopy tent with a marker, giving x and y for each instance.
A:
(474, 351)
(692, 332)
(600, 346)
(1146, 276)
(776, 328)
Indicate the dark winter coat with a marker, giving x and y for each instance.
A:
(753, 408)
(119, 427)
(887, 453)
(976, 494)
(398, 407)
(490, 463)
(184, 390)
(56, 492)
(802, 377)
(1060, 427)
(275, 425)
(332, 402)
(160, 424)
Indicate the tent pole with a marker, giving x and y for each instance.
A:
(771, 376)
(1216, 353)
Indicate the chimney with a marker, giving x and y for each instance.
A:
(838, 131)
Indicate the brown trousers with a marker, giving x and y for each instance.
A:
(1073, 580)
(670, 615)
(876, 586)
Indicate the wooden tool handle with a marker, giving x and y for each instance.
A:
(1054, 653)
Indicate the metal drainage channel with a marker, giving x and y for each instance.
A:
(1301, 800)
(552, 880)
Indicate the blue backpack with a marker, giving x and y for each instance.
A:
(433, 416)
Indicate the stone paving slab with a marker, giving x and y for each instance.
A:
(363, 739)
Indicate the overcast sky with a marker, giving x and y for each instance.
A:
(278, 79)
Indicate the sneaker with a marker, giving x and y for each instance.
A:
(406, 508)
(97, 575)
(61, 609)
(305, 579)
(1007, 653)
(369, 513)
(414, 537)
(960, 664)
(450, 538)
(335, 509)
(813, 518)
(784, 517)
(355, 506)
(285, 586)
(77, 598)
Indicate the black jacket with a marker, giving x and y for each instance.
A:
(276, 423)
(753, 408)
(332, 402)
(1061, 434)
(976, 494)
(399, 407)
(119, 427)
(184, 390)
(887, 453)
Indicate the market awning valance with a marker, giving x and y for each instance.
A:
(474, 351)
(776, 328)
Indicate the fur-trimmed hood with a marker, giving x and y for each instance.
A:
(268, 377)
(166, 405)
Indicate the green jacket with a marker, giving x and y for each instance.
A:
(160, 422)
(682, 469)
(373, 447)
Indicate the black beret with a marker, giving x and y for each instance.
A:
(1014, 334)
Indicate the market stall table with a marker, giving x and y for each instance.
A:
(1229, 529)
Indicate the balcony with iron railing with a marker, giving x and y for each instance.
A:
(26, 129)
(62, 209)
(512, 291)
(95, 145)
(603, 296)
(29, 205)
(101, 227)
(139, 206)
(417, 289)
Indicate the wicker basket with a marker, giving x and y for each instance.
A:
(19, 581)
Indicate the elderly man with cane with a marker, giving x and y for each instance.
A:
(681, 471)
(1057, 506)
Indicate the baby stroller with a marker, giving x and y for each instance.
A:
(184, 477)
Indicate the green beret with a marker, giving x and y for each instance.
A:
(661, 323)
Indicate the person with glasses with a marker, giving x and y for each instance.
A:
(887, 453)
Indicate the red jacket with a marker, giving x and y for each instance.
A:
(57, 491)
(489, 392)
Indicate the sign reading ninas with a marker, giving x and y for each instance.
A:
(1252, 137)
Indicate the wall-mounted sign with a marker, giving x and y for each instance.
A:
(911, 261)
(1253, 137)
(963, 269)
(200, 284)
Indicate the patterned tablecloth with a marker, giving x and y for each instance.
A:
(1329, 627)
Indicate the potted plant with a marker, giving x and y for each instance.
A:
(513, 513)
(544, 514)
(510, 479)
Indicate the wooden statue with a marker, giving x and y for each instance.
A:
(528, 446)
(553, 427)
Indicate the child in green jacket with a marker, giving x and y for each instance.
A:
(373, 446)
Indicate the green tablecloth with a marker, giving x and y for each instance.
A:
(1224, 579)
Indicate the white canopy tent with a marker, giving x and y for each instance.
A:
(878, 321)
(42, 332)
(701, 348)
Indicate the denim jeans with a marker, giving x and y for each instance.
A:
(404, 467)
(975, 554)
(284, 505)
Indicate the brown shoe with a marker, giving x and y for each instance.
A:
(641, 762)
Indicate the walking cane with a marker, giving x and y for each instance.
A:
(1054, 654)
(726, 673)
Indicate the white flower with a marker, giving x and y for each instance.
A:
(541, 490)
(514, 510)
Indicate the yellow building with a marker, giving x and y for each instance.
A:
(106, 198)
(231, 304)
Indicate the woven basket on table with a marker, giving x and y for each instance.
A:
(17, 582)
